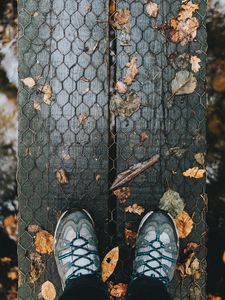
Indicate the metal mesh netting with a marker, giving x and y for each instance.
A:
(72, 47)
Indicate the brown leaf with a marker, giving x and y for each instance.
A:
(195, 66)
(213, 297)
(125, 108)
(47, 91)
(65, 154)
(132, 71)
(152, 9)
(97, 177)
(48, 291)
(184, 224)
(183, 83)
(218, 83)
(109, 263)
(133, 171)
(144, 135)
(10, 223)
(191, 247)
(200, 158)
(37, 266)
(121, 17)
(121, 87)
(223, 258)
(33, 228)
(61, 176)
(176, 151)
(123, 193)
(13, 273)
(44, 242)
(29, 82)
(130, 237)
(135, 209)
(194, 172)
(118, 290)
(83, 118)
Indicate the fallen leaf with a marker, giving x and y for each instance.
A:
(172, 202)
(109, 263)
(61, 176)
(33, 228)
(184, 26)
(65, 154)
(144, 135)
(47, 91)
(152, 9)
(132, 71)
(200, 158)
(85, 79)
(44, 242)
(223, 257)
(194, 172)
(130, 237)
(121, 17)
(13, 273)
(135, 209)
(37, 266)
(121, 87)
(184, 224)
(195, 66)
(10, 224)
(183, 83)
(118, 290)
(5, 260)
(29, 82)
(37, 105)
(83, 118)
(48, 291)
(218, 83)
(97, 177)
(123, 193)
(191, 247)
(133, 171)
(125, 108)
(213, 297)
(34, 14)
(176, 151)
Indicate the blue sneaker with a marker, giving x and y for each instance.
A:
(157, 247)
(75, 246)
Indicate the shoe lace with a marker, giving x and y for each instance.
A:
(151, 258)
(77, 256)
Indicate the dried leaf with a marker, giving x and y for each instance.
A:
(200, 158)
(172, 203)
(37, 266)
(121, 17)
(176, 151)
(61, 176)
(97, 177)
(184, 26)
(135, 209)
(83, 118)
(5, 260)
(144, 135)
(213, 297)
(109, 263)
(118, 290)
(10, 223)
(195, 66)
(132, 71)
(85, 79)
(121, 87)
(29, 82)
(223, 258)
(125, 108)
(218, 83)
(184, 224)
(130, 237)
(47, 91)
(13, 273)
(123, 193)
(65, 154)
(48, 291)
(44, 242)
(133, 171)
(37, 105)
(33, 228)
(194, 172)
(152, 9)
(183, 83)
(191, 247)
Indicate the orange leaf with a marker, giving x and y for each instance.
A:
(44, 242)
(194, 172)
(83, 118)
(118, 290)
(144, 135)
(121, 17)
(132, 71)
(135, 208)
(130, 237)
(109, 263)
(184, 224)
(224, 257)
(48, 291)
(122, 193)
(218, 83)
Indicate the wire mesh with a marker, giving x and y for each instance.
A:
(74, 48)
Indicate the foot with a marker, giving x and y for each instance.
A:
(157, 247)
(75, 246)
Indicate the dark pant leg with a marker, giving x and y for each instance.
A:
(147, 288)
(86, 287)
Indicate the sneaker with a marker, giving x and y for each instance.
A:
(157, 247)
(75, 246)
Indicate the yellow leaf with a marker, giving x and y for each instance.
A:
(152, 9)
(61, 176)
(44, 242)
(109, 263)
(200, 158)
(48, 291)
(29, 82)
(184, 224)
(194, 172)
